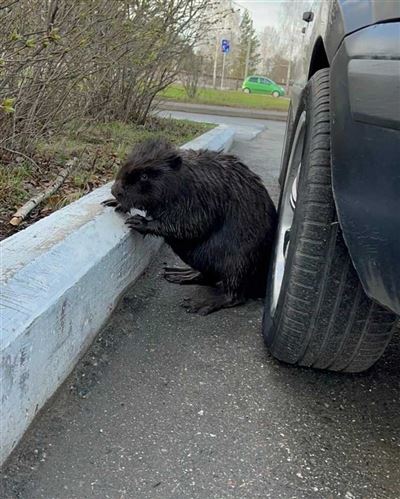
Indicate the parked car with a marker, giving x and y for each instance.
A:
(261, 85)
(333, 296)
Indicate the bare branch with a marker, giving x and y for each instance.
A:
(24, 211)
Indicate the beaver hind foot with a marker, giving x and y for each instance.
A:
(211, 304)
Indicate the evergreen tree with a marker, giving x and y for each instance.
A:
(249, 56)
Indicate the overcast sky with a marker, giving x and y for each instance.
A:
(264, 12)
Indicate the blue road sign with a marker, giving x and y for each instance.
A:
(225, 46)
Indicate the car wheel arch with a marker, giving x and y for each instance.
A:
(319, 58)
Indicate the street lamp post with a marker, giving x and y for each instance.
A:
(246, 70)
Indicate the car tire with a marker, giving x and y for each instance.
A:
(316, 312)
(276, 94)
(246, 91)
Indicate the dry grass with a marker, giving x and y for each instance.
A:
(100, 149)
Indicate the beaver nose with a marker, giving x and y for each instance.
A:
(116, 190)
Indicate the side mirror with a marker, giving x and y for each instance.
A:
(303, 30)
(308, 16)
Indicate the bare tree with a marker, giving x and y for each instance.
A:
(291, 25)
(269, 48)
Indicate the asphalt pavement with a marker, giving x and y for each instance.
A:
(170, 405)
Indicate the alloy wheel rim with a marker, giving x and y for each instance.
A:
(287, 211)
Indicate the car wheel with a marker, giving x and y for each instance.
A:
(246, 91)
(316, 312)
(275, 94)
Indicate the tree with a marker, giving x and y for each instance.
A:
(269, 48)
(278, 67)
(291, 40)
(248, 56)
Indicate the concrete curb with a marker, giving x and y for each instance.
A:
(60, 280)
(223, 111)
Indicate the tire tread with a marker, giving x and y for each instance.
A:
(339, 327)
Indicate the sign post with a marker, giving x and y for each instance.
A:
(225, 47)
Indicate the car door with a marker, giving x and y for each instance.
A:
(254, 84)
(267, 86)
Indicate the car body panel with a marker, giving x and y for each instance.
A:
(361, 40)
(262, 85)
(366, 156)
(333, 20)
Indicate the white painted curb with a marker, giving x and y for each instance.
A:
(217, 139)
(60, 280)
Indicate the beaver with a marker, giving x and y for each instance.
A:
(210, 208)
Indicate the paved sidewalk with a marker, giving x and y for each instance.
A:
(169, 405)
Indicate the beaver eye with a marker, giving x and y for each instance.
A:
(144, 176)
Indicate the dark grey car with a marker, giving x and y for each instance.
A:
(334, 286)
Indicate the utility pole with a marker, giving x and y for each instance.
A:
(289, 68)
(288, 75)
(215, 62)
(246, 70)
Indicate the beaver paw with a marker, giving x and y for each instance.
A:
(184, 276)
(203, 307)
(211, 305)
(113, 203)
(138, 223)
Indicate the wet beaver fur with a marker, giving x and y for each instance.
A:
(211, 209)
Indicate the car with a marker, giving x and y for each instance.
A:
(333, 292)
(261, 85)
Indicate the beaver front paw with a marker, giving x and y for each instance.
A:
(138, 223)
(113, 203)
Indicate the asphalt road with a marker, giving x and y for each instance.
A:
(170, 405)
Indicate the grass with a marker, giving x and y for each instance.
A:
(230, 98)
(12, 182)
(100, 149)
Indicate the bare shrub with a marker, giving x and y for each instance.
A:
(192, 70)
(91, 59)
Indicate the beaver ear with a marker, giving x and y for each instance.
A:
(174, 161)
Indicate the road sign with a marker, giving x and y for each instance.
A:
(225, 46)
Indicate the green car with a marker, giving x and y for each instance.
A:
(262, 85)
